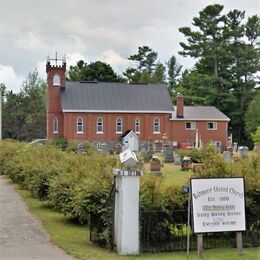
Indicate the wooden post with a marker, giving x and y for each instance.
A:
(200, 244)
(239, 242)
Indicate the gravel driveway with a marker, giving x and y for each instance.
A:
(22, 236)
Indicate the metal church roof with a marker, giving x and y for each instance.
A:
(115, 97)
(209, 113)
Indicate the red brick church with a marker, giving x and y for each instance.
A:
(102, 112)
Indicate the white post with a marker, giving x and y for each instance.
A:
(197, 138)
(0, 115)
(126, 226)
(188, 229)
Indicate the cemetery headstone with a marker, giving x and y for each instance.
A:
(155, 166)
(168, 154)
(235, 147)
(242, 151)
(143, 150)
(186, 163)
(177, 159)
(230, 149)
(227, 156)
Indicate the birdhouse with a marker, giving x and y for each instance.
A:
(128, 158)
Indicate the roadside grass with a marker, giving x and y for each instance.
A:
(74, 239)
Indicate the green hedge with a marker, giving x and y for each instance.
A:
(79, 184)
(73, 184)
(198, 155)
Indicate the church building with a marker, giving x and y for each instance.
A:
(104, 112)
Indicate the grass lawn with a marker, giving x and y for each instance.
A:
(172, 174)
(74, 239)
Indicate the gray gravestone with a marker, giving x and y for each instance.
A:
(242, 151)
(168, 154)
(227, 156)
(142, 150)
(235, 147)
(177, 159)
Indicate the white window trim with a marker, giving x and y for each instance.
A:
(80, 132)
(119, 132)
(212, 129)
(55, 121)
(56, 78)
(159, 126)
(100, 132)
(216, 142)
(139, 125)
(191, 125)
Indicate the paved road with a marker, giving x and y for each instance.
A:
(22, 236)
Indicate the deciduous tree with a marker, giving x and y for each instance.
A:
(94, 71)
(24, 113)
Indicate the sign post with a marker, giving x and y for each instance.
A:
(239, 242)
(186, 189)
(200, 244)
(218, 205)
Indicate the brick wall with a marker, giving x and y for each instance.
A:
(53, 100)
(180, 134)
(109, 123)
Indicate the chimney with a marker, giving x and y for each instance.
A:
(180, 107)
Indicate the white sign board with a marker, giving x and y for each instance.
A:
(218, 204)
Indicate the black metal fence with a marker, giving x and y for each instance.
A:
(167, 231)
(161, 230)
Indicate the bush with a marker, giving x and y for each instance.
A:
(74, 184)
(60, 143)
(79, 185)
(82, 184)
(198, 155)
(8, 149)
(157, 197)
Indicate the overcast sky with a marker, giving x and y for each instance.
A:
(107, 30)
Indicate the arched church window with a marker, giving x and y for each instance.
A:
(56, 80)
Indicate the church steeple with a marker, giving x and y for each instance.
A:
(55, 69)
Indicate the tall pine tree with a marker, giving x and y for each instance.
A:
(227, 61)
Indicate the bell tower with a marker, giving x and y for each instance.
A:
(55, 69)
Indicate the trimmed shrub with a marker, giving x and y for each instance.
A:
(82, 184)
(198, 155)
(79, 184)
(157, 197)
